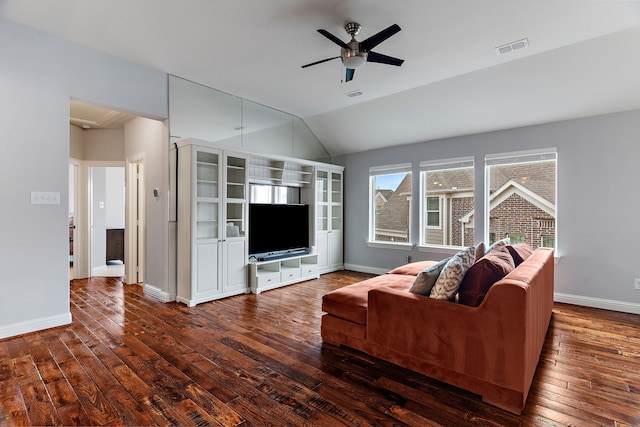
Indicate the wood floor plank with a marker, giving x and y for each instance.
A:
(259, 360)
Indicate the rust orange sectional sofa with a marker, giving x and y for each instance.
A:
(491, 350)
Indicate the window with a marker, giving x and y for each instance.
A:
(447, 202)
(433, 212)
(273, 194)
(548, 241)
(522, 197)
(390, 203)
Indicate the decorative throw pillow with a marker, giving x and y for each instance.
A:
(496, 264)
(480, 250)
(504, 242)
(425, 280)
(519, 252)
(452, 274)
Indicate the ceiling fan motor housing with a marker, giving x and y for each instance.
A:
(353, 57)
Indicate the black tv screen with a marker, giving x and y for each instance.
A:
(275, 228)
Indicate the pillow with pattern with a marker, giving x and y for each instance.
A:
(505, 241)
(425, 280)
(452, 274)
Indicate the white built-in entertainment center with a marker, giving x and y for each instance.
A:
(216, 188)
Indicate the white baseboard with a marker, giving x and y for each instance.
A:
(34, 325)
(158, 293)
(365, 269)
(606, 304)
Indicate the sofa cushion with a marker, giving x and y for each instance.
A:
(452, 274)
(492, 267)
(480, 250)
(425, 280)
(502, 242)
(350, 302)
(413, 268)
(519, 252)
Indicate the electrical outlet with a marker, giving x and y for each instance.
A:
(637, 284)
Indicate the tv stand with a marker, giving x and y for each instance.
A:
(270, 256)
(274, 273)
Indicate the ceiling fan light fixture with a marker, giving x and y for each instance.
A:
(353, 58)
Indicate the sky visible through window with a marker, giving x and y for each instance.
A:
(389, 182)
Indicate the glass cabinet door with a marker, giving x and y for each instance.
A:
(236, 194)
(206, 220)
(207, 174)
(322, 187)
(336, 187)
(322, 220)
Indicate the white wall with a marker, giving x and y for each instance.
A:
(103, 144)
(114, 206)
(146, 141)
(598, 202)
(39, 74)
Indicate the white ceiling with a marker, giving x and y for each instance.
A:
(583, 58)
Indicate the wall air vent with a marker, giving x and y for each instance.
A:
(510, 47)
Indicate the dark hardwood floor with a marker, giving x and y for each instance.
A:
(250, 360)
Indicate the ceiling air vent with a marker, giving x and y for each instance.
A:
(353, 93)
(510, 47)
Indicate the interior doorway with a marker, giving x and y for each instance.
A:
(107, 214)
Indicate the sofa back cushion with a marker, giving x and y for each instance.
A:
(519, 252)
(413, 268)
(483, 274)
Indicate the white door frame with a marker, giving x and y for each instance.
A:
(134, 221)
(85, 217)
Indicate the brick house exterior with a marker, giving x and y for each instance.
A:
(392, 221)
(522, 206)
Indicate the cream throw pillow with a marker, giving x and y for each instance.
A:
(425, 280)
(452, 274)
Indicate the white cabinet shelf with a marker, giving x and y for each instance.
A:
(266, 275)
(263, 170)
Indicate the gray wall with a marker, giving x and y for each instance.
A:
(598, 202)
(39, 74)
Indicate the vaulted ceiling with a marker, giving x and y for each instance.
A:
(582, 58)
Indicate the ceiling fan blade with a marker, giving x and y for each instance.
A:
(333, 38)
(320, 62)
(349, 75)
(378, 38)
(384, 59)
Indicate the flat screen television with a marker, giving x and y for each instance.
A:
(278, 228)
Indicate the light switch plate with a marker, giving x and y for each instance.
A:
(45, 198)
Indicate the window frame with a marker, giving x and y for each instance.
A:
(513, 158)
(431, 166)
(374, 172)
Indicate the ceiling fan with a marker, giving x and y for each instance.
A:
(355, 54)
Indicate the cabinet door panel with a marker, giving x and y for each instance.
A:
(236, 276)
(206, 269)
(335, 248)
(322, 248)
